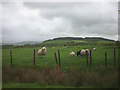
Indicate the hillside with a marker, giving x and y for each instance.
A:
(79, 41)
(22, 43)
(80, 38)
(67, 41)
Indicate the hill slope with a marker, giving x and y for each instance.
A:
(79, 41)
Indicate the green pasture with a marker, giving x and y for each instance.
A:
(24, 56)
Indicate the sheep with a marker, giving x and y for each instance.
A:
(83, 52)
(42, 51)
(87, 52)
(94, 49)
(72, 54)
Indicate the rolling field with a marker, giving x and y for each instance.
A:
(73, 71)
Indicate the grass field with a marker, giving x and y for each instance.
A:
(73, 71)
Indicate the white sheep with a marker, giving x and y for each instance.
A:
(42, 51)
(72, 54)
(88, 51)
(94, 49)
(84, 52)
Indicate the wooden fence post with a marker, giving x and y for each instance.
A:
(87, 58)
(59, 57)
(114, 57)
(90, 58)
(34, 56)
(56, 58)
(105, 59)
(11, 56)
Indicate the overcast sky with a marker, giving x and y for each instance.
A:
(38, 21)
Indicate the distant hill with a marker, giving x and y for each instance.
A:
(98, 38)
(67, 41)
(79, 38)
(78, 41)
(27, 42)
(22, 43)
(68, 38)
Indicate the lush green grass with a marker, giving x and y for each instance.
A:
(34, 85)
(23, 57)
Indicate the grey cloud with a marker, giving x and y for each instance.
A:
(79, 14)
(35, 21)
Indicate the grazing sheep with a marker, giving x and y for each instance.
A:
(87, 52)
(83, 52)
(72, 54)
(94, 49)
(42, 51)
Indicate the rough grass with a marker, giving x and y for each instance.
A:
(47, 76)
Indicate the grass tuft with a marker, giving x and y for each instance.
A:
(57, 76)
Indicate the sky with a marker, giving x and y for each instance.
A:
(38, 21)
